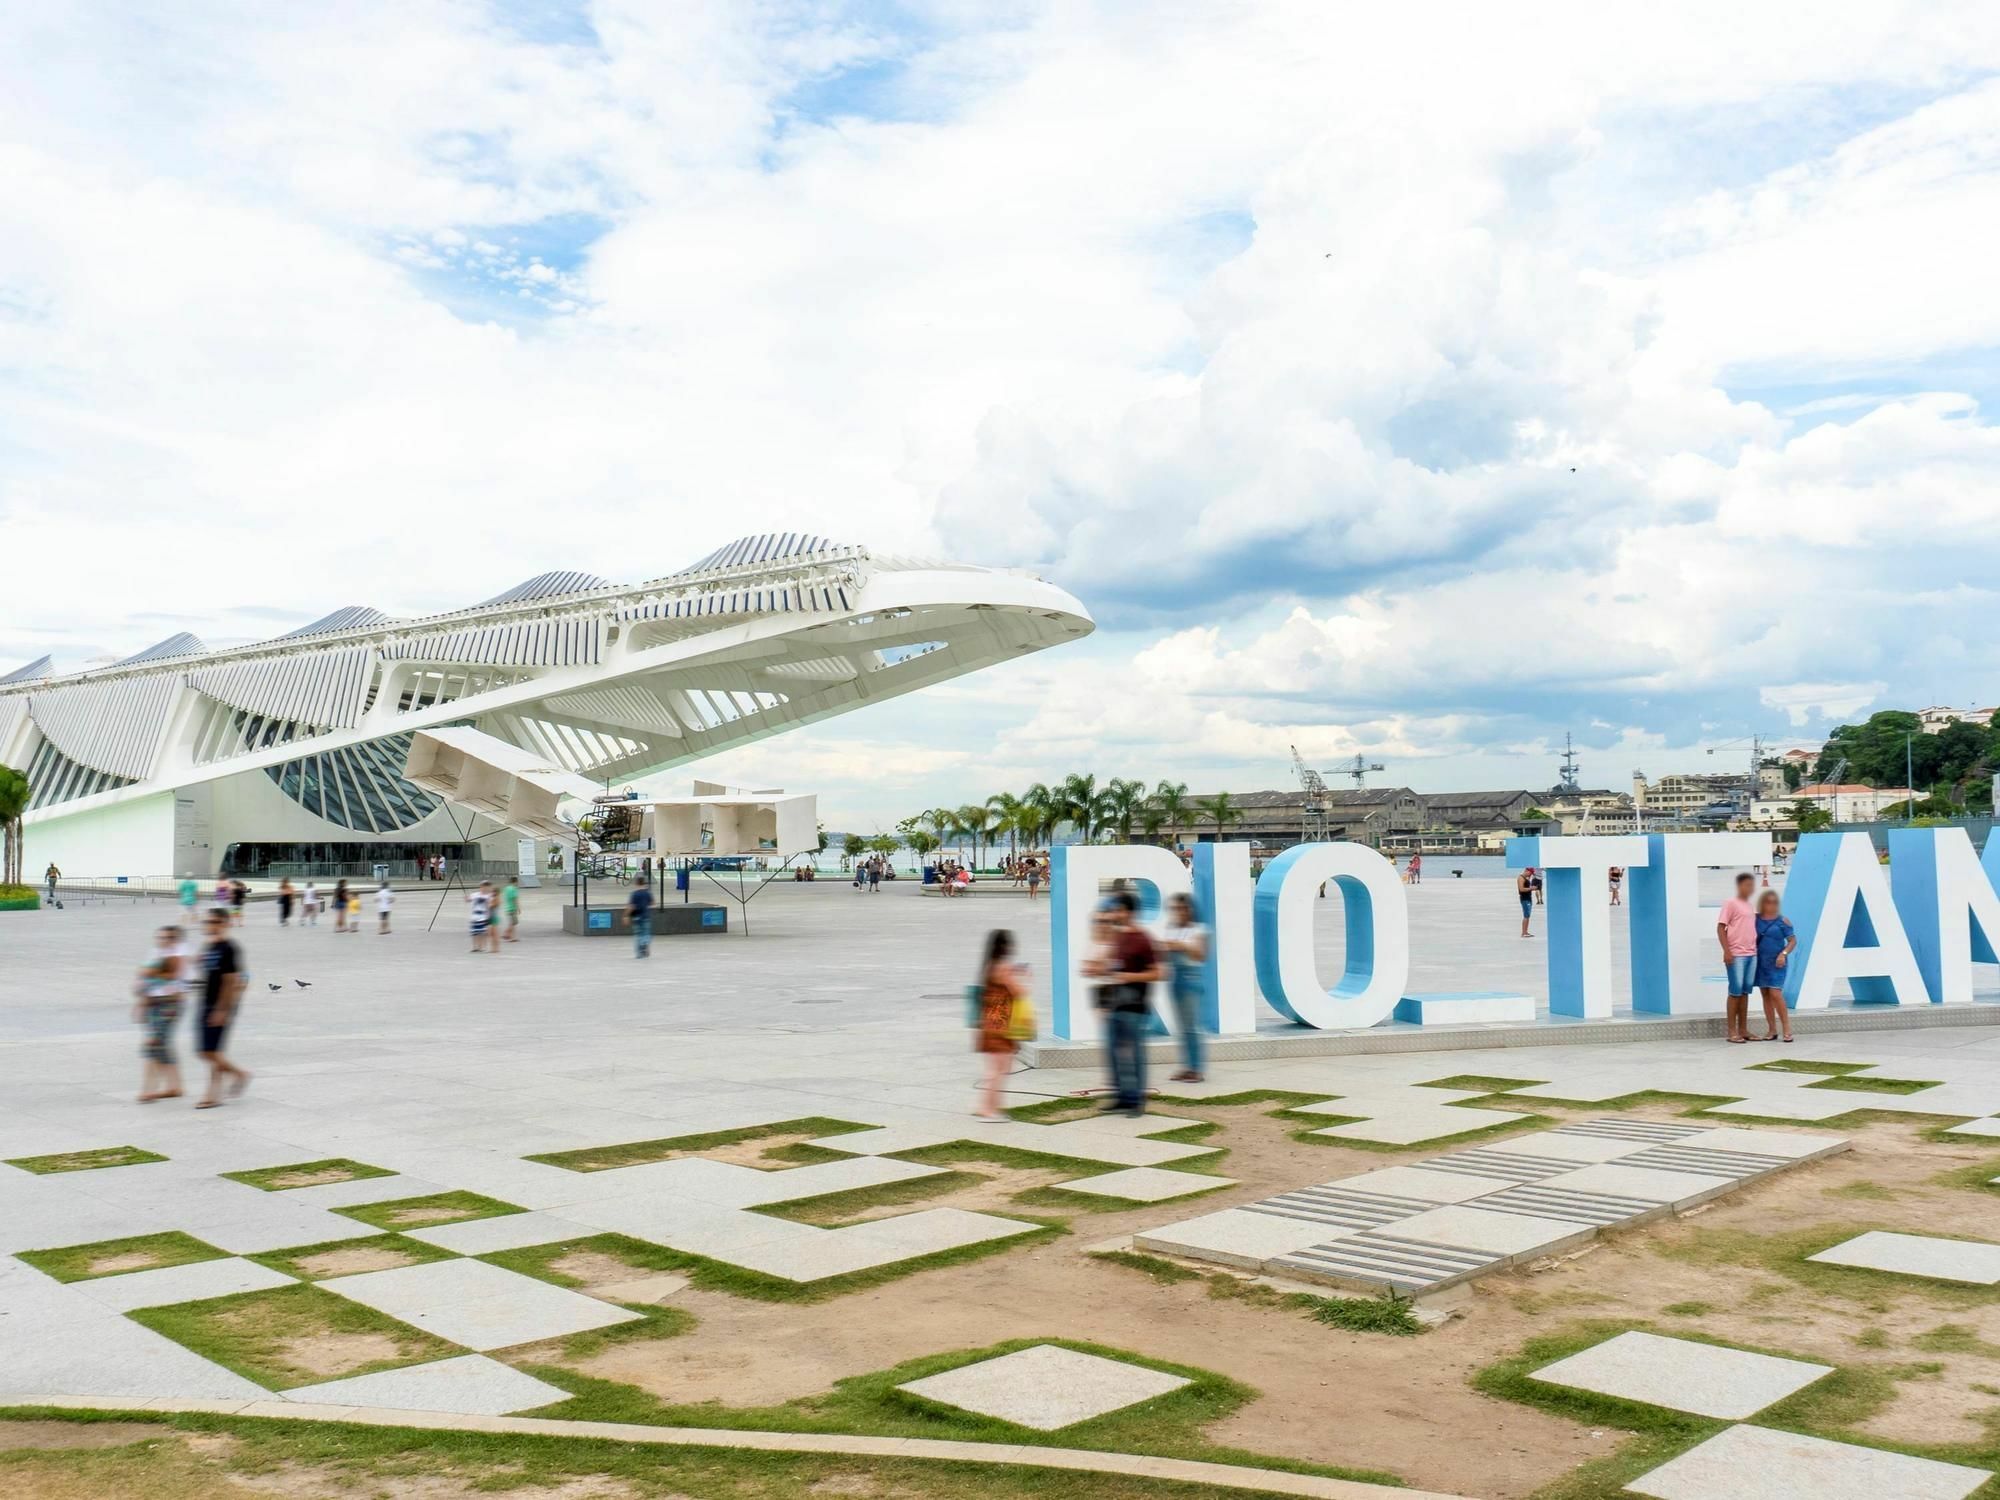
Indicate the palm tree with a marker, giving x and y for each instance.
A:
(14, 792)
(1043, 813)
(1221, 810)
(1009, 813)
(975, 819)
(1083, 803)
(1122, 803)
(1171, 798)
(940, 821)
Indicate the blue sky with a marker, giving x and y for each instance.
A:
(1420, 382)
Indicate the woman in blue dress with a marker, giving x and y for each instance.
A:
(1775, 941)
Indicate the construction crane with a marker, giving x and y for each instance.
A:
(1359, 768)
(1313, 828)
(1756, 767)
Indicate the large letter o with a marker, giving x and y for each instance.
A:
(1378, 935)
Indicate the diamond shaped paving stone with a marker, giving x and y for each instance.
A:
(471, 1385)
(1235, 1237)
(1045, 1387)
(1754, 1463)
(1701, 1378)
(1971, 1261)
(477, 1305)
(1146, 1184)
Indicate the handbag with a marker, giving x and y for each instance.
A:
(1021, 1020)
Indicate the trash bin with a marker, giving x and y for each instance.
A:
(681, 878)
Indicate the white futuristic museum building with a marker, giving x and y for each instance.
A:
(290, 752)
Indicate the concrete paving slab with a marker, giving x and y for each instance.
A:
(1755, 1463)
(1641, 1183)
(1145, 1184)
(1413, 1127)
(1789, 1144)
(1557, 1146)
(1683, 1375)
(1045, 1387)
(1971, 1261)
(1425, 1185)
(1235, 1237)
(477, 1305)
(470, 1385)
(503, 1232)
(190, 1283)
(1467, 1226)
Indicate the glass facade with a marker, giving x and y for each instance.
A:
(332, 861)
(53, 777)
(358, 786)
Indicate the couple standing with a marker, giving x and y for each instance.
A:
(1757, 941)
(1125, 963)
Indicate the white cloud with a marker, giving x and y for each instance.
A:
(1380, 372)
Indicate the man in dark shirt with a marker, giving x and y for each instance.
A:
(221, 991)
(1125, 968)
(639, 906)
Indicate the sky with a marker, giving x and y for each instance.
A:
(1423, 382)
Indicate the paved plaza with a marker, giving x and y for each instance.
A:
(442, 1156)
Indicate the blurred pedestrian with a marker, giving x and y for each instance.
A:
(1524, 887)
(479, 906)
(510, 907)
(1125, 973)
(221, 994)
(639, 907)
(1003, 1014)
(287, 897)
(340, 906)
(161, 985)
(1186, 944)
(385, 902)
(239, 893)
(309, 904)
(1736, 931)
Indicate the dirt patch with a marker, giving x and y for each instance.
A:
(304, 1482)
(593, 1268)
(353, 1262)
(1397, 1394)
(129, 1260)
(311, 1179)
(755, 1152)
(335, 1354)
(417, 1218)
(78, 1434)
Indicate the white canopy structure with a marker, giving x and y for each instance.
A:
(468, 768)
(725, 821)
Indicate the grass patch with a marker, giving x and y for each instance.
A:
(1868, 1083)
(294, 1335)
(1052, 1111)
(1482, 1083)
(84, 1161)
(1955, 1338)
(1283, 1097)
(1868, 1192)
(145, 1252)
(1977, 1175)
(720, 1276)
(335, 1458)
(1391, 1315)
(850, 1206)
(955, 1153)
(1162, 1271)
(1169, 1425)
(308, 1174)
(299, 1260)
(1807, 1065)
(1689, 1309)
(433, 1209)
(1309, 1134)
(638, 1153)
(1786, 1254)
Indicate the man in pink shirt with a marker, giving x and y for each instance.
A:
(1737, 932)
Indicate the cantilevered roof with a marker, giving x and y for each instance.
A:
(345, 618)
(179, 644)
(35, 670)
(547, 586)
(768, 546)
